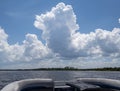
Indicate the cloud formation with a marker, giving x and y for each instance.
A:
(64, 44)
(60, 33)
(58, 25)
(31, 49)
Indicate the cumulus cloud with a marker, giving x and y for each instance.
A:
(31, 49)
(34, 49)
(3, 44)
(58, 25)
(109, 42)
(98, 43)
(8, 52)
(60, 33)
(119, 20)
(64, 44)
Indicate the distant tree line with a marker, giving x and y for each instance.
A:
(107, 69)
(67, 68)
(78, 69)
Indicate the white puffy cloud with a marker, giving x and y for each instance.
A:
(8, 52)
(3, 35)
(60, 33)
(3, 44)
(98, 43)
(109, 42)
(64, 44)
(31, 49)
(58, 25)
(119, 20)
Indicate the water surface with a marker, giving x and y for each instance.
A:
(7, 77)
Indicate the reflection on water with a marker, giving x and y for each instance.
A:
(9, 76)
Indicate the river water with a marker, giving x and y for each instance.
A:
(7, 77)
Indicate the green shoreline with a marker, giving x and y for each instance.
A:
(66, 69)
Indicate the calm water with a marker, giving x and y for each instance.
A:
(9, 76)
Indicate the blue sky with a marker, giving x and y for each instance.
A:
(17, 19)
